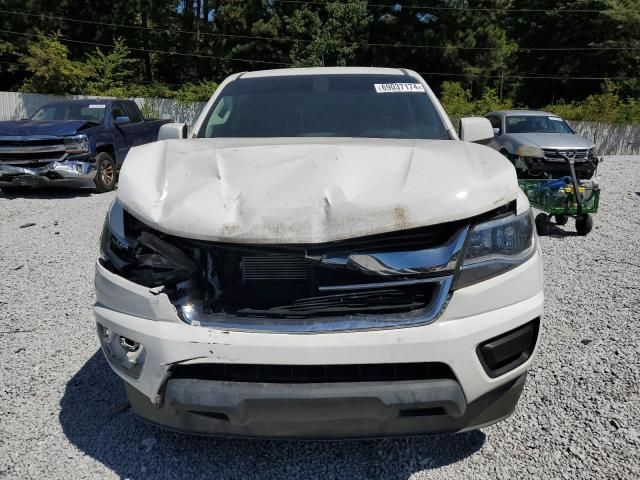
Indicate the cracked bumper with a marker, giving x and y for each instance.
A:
(473, 315)
(68, 173)
(470, 399)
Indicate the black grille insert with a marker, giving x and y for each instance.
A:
(385, 372)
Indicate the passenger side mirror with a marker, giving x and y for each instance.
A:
(172, 130)
(496, 131)
(476, 129)
(121, 120)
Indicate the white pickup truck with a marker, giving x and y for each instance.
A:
(323, 258)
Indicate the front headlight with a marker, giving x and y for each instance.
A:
(529, 151)
(136, 252)
(77, 144)
(497, 246)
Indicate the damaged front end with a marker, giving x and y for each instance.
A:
(396, 279)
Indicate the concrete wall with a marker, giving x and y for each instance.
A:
(611, 138)
(16, 105)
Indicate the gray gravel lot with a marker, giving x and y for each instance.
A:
(63, 414)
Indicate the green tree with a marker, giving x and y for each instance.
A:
(330, 36)
(110, 70)
(49, 68)
(198, 92)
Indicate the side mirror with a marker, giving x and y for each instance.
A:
(476, 129)
(496, 131)
(121, 120)
(172, 130)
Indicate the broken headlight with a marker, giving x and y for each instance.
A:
(77, 144)
(140, 254)
(497, 246)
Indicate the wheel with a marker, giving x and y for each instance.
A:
(543, 224)
(105, 179)
(584, 224)
(561, 219)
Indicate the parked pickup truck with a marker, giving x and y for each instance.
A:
(75, 143)
(325, 257)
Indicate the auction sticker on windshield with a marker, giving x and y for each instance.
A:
(398, 87)
(95, 105)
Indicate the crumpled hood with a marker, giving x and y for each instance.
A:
(302, 190)
(553, 140)
(20, 128)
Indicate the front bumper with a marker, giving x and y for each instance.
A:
(324, 410)
(468, 400)
(67, 173)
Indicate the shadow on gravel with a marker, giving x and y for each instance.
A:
(45, 193)
(96, 419)
(557, 232)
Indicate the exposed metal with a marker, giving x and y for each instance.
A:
(413, 262)
(324, 324)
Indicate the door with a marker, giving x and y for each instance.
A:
(121, 132)
(138, 126)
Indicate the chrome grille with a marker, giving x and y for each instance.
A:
(27, 150)
(576, 154)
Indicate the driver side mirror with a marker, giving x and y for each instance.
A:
(476, 129)
(172, 131)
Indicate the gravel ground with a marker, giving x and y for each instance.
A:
(63, 413)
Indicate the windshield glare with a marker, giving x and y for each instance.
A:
(324, 106)
(536, 124)
(88, 112)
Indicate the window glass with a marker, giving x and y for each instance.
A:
(375, 106)
(495, 122)
(536, 124)
(93, 112)
(118, 111)
(133, 112)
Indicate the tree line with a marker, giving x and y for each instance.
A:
(533, 52)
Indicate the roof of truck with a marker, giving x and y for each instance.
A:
(282, 72)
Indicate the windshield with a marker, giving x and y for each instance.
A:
(376, 106)
(536, 124)
(72, 111)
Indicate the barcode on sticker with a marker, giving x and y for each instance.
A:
(398, 87)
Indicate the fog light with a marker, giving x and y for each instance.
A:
(509, 350)
(129, 344)
(123, 353)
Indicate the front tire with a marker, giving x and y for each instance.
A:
(105, 179)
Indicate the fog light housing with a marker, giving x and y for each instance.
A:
(123, 353)
(505, 352)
